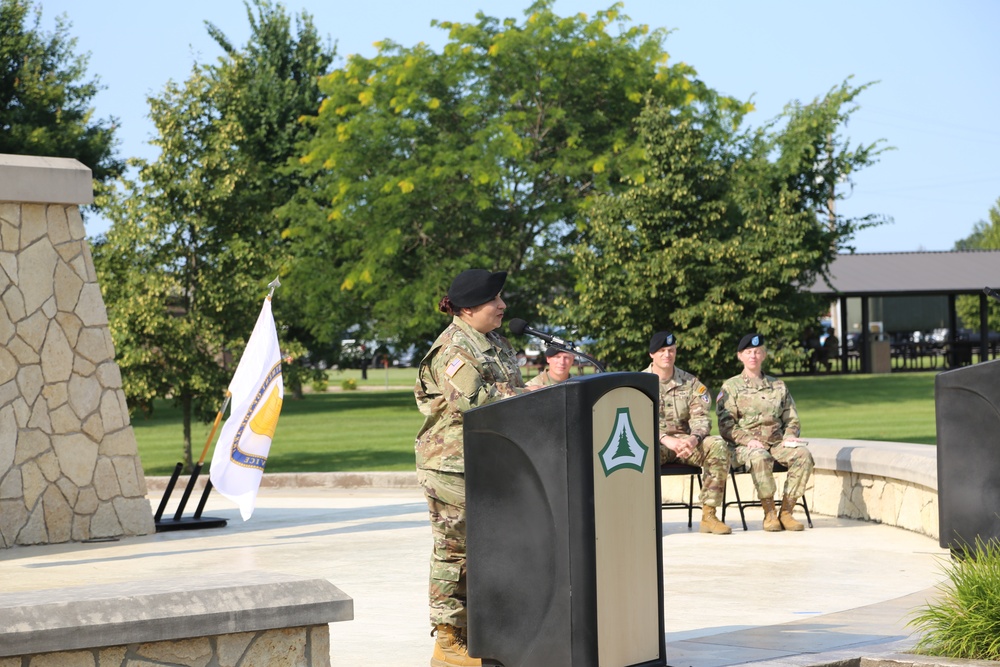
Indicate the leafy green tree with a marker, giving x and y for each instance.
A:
(719, 236)
(194, 240)
(481, 155)
(45, 96)
(985, 236)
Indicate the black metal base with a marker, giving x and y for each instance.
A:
(190, 523)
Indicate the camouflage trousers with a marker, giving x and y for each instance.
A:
(712, 456)
(445, 492)
(798, 460)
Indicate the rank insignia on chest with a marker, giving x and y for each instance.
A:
(453, 367)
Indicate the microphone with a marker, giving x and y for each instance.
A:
(518, 326)
(986, 290)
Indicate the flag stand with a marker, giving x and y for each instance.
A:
(179, 522)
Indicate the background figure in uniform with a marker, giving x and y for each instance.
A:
(757, 417)
(560, 362)
(470, 364)
(685, 426)
(831, 348)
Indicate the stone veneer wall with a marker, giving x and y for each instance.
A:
(285, 647)
(69, 466)
(254, 618)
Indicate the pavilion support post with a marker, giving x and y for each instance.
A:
(984, 328)
(844, 359)
(866, 337)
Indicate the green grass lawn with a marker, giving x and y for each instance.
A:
(896, 407)
(373, 429)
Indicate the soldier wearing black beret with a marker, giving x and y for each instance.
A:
(470, 364)
(757, 417)
(685, 426)
(559, 364)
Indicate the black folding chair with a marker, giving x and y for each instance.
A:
(742, 504)
(672, 469)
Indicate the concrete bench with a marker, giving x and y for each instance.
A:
(260, 618)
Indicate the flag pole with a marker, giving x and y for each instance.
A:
(273, 284)
(211, 436)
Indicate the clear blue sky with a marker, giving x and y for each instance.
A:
(937, 103)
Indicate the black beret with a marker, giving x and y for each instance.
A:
(474, 287)
(552, 351)
(750, 340)
(661, 339)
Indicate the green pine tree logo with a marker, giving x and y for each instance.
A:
(623, 449)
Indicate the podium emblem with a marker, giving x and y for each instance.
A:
(623, 449)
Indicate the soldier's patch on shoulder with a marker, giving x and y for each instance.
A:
(718, 399)
(454, 366)
(466, 379)
(703, 394)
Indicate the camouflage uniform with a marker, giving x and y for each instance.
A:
(463, 369)
(683, 405)
(543, 379)
(752, 409)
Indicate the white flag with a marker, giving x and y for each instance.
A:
(257, 392)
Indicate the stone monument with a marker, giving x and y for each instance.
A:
(69, 466)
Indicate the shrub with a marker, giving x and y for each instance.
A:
(319, 385)
(964, 622)
(350, 384)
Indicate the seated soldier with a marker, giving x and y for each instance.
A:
(757, 417)
(685, 426)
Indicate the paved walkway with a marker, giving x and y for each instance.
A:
(842, 589)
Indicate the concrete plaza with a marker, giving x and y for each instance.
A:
(840, 590)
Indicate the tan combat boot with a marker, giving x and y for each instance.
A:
(710, 524)
(450, 649)
(771, 522)
(785, 516)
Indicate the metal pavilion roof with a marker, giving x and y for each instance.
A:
(912, 273)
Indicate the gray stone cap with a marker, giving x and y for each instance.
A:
(32, 179)
(165, 609)
(916, 464)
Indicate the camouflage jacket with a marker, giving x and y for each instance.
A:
(684, 403)
(463, 369)
(543, 379)
(751, 409)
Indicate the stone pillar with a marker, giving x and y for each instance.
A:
(69, 466)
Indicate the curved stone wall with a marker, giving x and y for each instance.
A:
(69, 466)
(894, 483)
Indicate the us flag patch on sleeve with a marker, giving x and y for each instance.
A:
(453, 367)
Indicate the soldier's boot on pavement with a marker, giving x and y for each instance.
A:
(710, 524)
(785, 516)
(450, 649)
(771, 522)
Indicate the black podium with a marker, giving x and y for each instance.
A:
(564, 550)
(967, 406)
